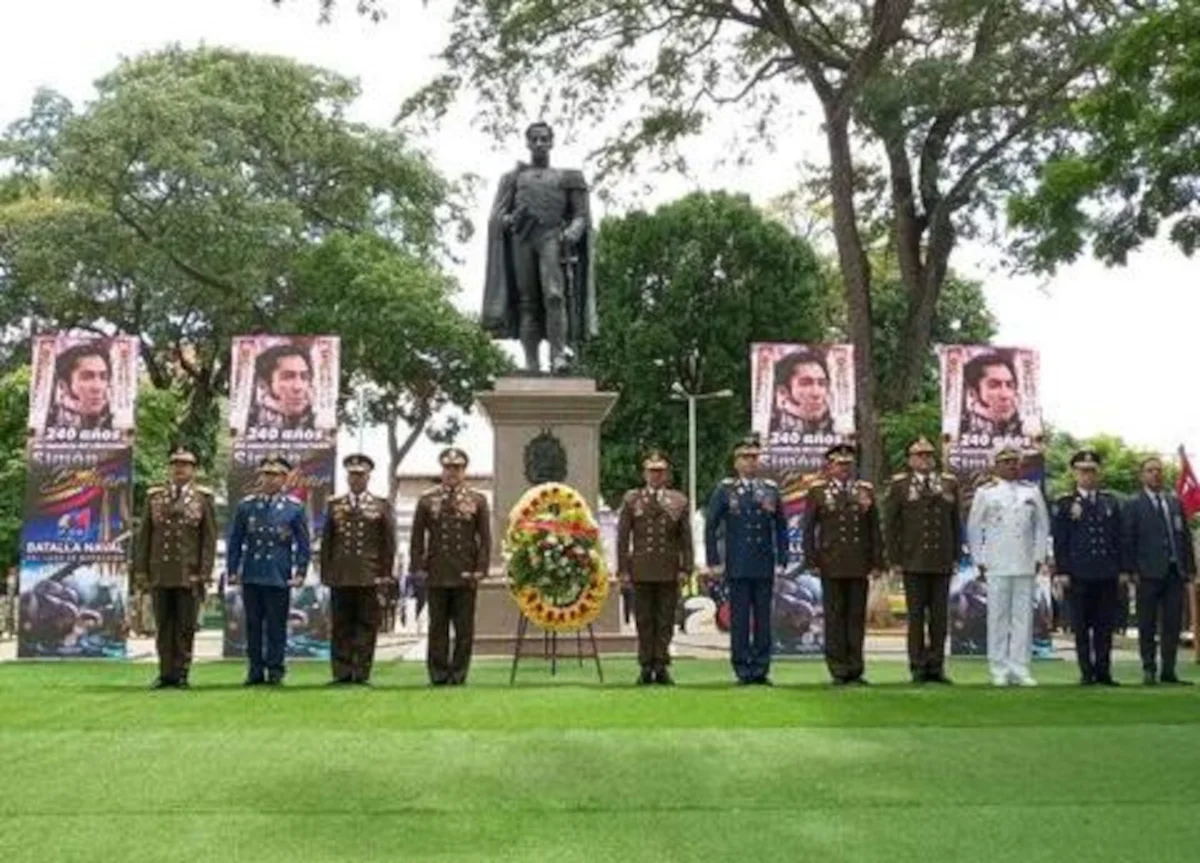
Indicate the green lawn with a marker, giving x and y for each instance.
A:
(93, 767)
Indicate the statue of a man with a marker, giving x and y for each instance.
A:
(539, 271)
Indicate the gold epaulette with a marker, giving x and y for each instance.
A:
(728, 481)
(771, 483)
(950, 476)
(862, 483)
(899, 477)
(205, 490)
(156, 489)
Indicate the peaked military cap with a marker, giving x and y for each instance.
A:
(921, 446)
(453, 457)
(748, 445)
(1006, 453)
(274, 464)
(182, 455)
(655, 460)
(841, 453)
(1086, 458)
(358, 463)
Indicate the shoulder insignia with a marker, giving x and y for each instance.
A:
(432, 490)
(821, 483)
(899, 477)
(728, 481)
(156, 489)
(862, 483)
(950, 476)
(338, 498)
(204, 490)
(770, 483)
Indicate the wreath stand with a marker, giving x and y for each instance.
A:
(550, 649)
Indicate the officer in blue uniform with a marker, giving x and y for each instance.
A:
(268, 553)
(1086, 526)
(747, 512)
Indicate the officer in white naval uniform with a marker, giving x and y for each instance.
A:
(1008, 532)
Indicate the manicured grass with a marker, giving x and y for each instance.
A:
(96, 768)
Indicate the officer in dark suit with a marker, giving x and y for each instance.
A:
(268, 553)
(844, 547)
(173, 555)
(747, 512)
(654, 554)
(358, 551)
(450, 552)
(922, 525)
(1158, 551)
(1086, 526)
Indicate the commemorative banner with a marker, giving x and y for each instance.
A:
(991, 397)
(283, 401)
(802, 403)
(78, 522)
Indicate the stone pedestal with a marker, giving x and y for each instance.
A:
(521, 409)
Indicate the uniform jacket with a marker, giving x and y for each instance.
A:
(358, 543)
(748, 515)
(451, 535)
(1087, 536)
(922, 523)
(654, 535)
(177, 539)
(841, 529)
(1146, 548)
(268, 540)
(1008, 529)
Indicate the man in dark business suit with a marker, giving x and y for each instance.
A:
(1158, 550)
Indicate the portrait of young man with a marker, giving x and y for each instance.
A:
(801, 400)
(991, 400)
(82, 388)
(283, 389)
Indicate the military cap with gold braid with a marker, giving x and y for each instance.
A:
(1006, 453)
(274, 464)
(655, 460)
(841, 453)
(182, 455)
(453, 457)
(748, 445)
(921, 446)
(1086, 458)
(358, 463)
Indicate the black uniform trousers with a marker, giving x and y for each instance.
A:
(266, 628)
(450, 605)
(355, 623)
(750, 626)
(844, 601)
(1160, 605)
(927, 597)
(654, 605)
(1093, 605)
(175, 612)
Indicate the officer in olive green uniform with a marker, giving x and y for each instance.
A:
(654, 553)
(173, 555)
(843, 545)
(358, 551)
(450, 551)
(922, 523)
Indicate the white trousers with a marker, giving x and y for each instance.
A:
(1010, 625)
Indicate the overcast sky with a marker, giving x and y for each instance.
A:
(1114, 343)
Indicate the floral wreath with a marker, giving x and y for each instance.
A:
(556, 570)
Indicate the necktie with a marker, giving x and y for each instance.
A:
(1160, 504)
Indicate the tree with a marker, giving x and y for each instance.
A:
(1120, 470)
(1130, 164)
(14, 413)
(177, 204)
(402, 337)
(949, 101)
(686, 289)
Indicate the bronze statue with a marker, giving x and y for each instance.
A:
(539, 270)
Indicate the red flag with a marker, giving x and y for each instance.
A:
(1187, 487)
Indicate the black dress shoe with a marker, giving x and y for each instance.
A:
(163, 683)
(274, 680)
(646, 677)
(340, 681)
(764, 681)
(1175, 681)
(859, 681)
(182, 683)
(1107, 681)
(939, 678)
(839, 681)
(919, 677)
(1149, 678)
(442, 681)
(1086, 680)
(663, 678)
(253, 681)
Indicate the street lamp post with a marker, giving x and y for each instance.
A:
(678, 393)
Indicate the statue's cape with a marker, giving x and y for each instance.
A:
(500, 315)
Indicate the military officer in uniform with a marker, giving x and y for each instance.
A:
(654, 554)
(1086, 527)
(1008, 531)
(922, 526)
(747, 512)
(843, 545)
(268, 552)
(450, 552)
(358, 551)
(173, 557)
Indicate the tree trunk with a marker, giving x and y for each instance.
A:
(856, 281)
(397, 450)
(200, 424)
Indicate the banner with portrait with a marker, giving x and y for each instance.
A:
(991, 398)
(78, 500)
(802, 403)
(283, 401)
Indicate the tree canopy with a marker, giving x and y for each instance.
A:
(192, 200)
